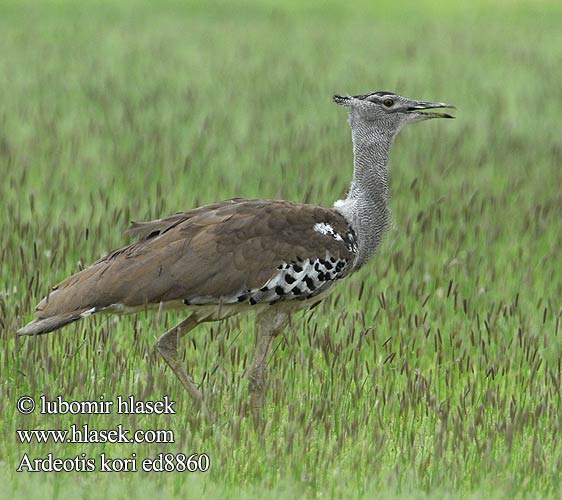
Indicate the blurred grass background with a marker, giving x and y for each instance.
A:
(434, 371)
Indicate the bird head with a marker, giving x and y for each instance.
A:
(388, 111)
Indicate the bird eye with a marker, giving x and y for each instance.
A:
(388, 103)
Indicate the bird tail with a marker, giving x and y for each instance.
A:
(45, 325)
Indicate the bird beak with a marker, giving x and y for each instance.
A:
(342, 100)
(417, 106)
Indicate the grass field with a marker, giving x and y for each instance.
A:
(435, 371)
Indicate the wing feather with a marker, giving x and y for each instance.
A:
(212, 252)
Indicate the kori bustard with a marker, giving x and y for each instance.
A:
(268, 256)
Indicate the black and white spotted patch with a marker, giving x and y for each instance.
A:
(297, 280)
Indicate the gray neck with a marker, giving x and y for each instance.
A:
(366, 206)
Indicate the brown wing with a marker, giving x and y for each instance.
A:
(233, 251)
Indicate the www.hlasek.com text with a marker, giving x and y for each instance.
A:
(86, 434)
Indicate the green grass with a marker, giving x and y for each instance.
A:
(435, 371)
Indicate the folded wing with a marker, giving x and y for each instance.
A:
(230, 252)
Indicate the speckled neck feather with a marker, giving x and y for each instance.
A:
(366, 206)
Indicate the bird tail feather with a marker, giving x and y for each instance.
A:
(46, 325)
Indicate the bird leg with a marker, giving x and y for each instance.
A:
(168, 347)
(268, 326)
